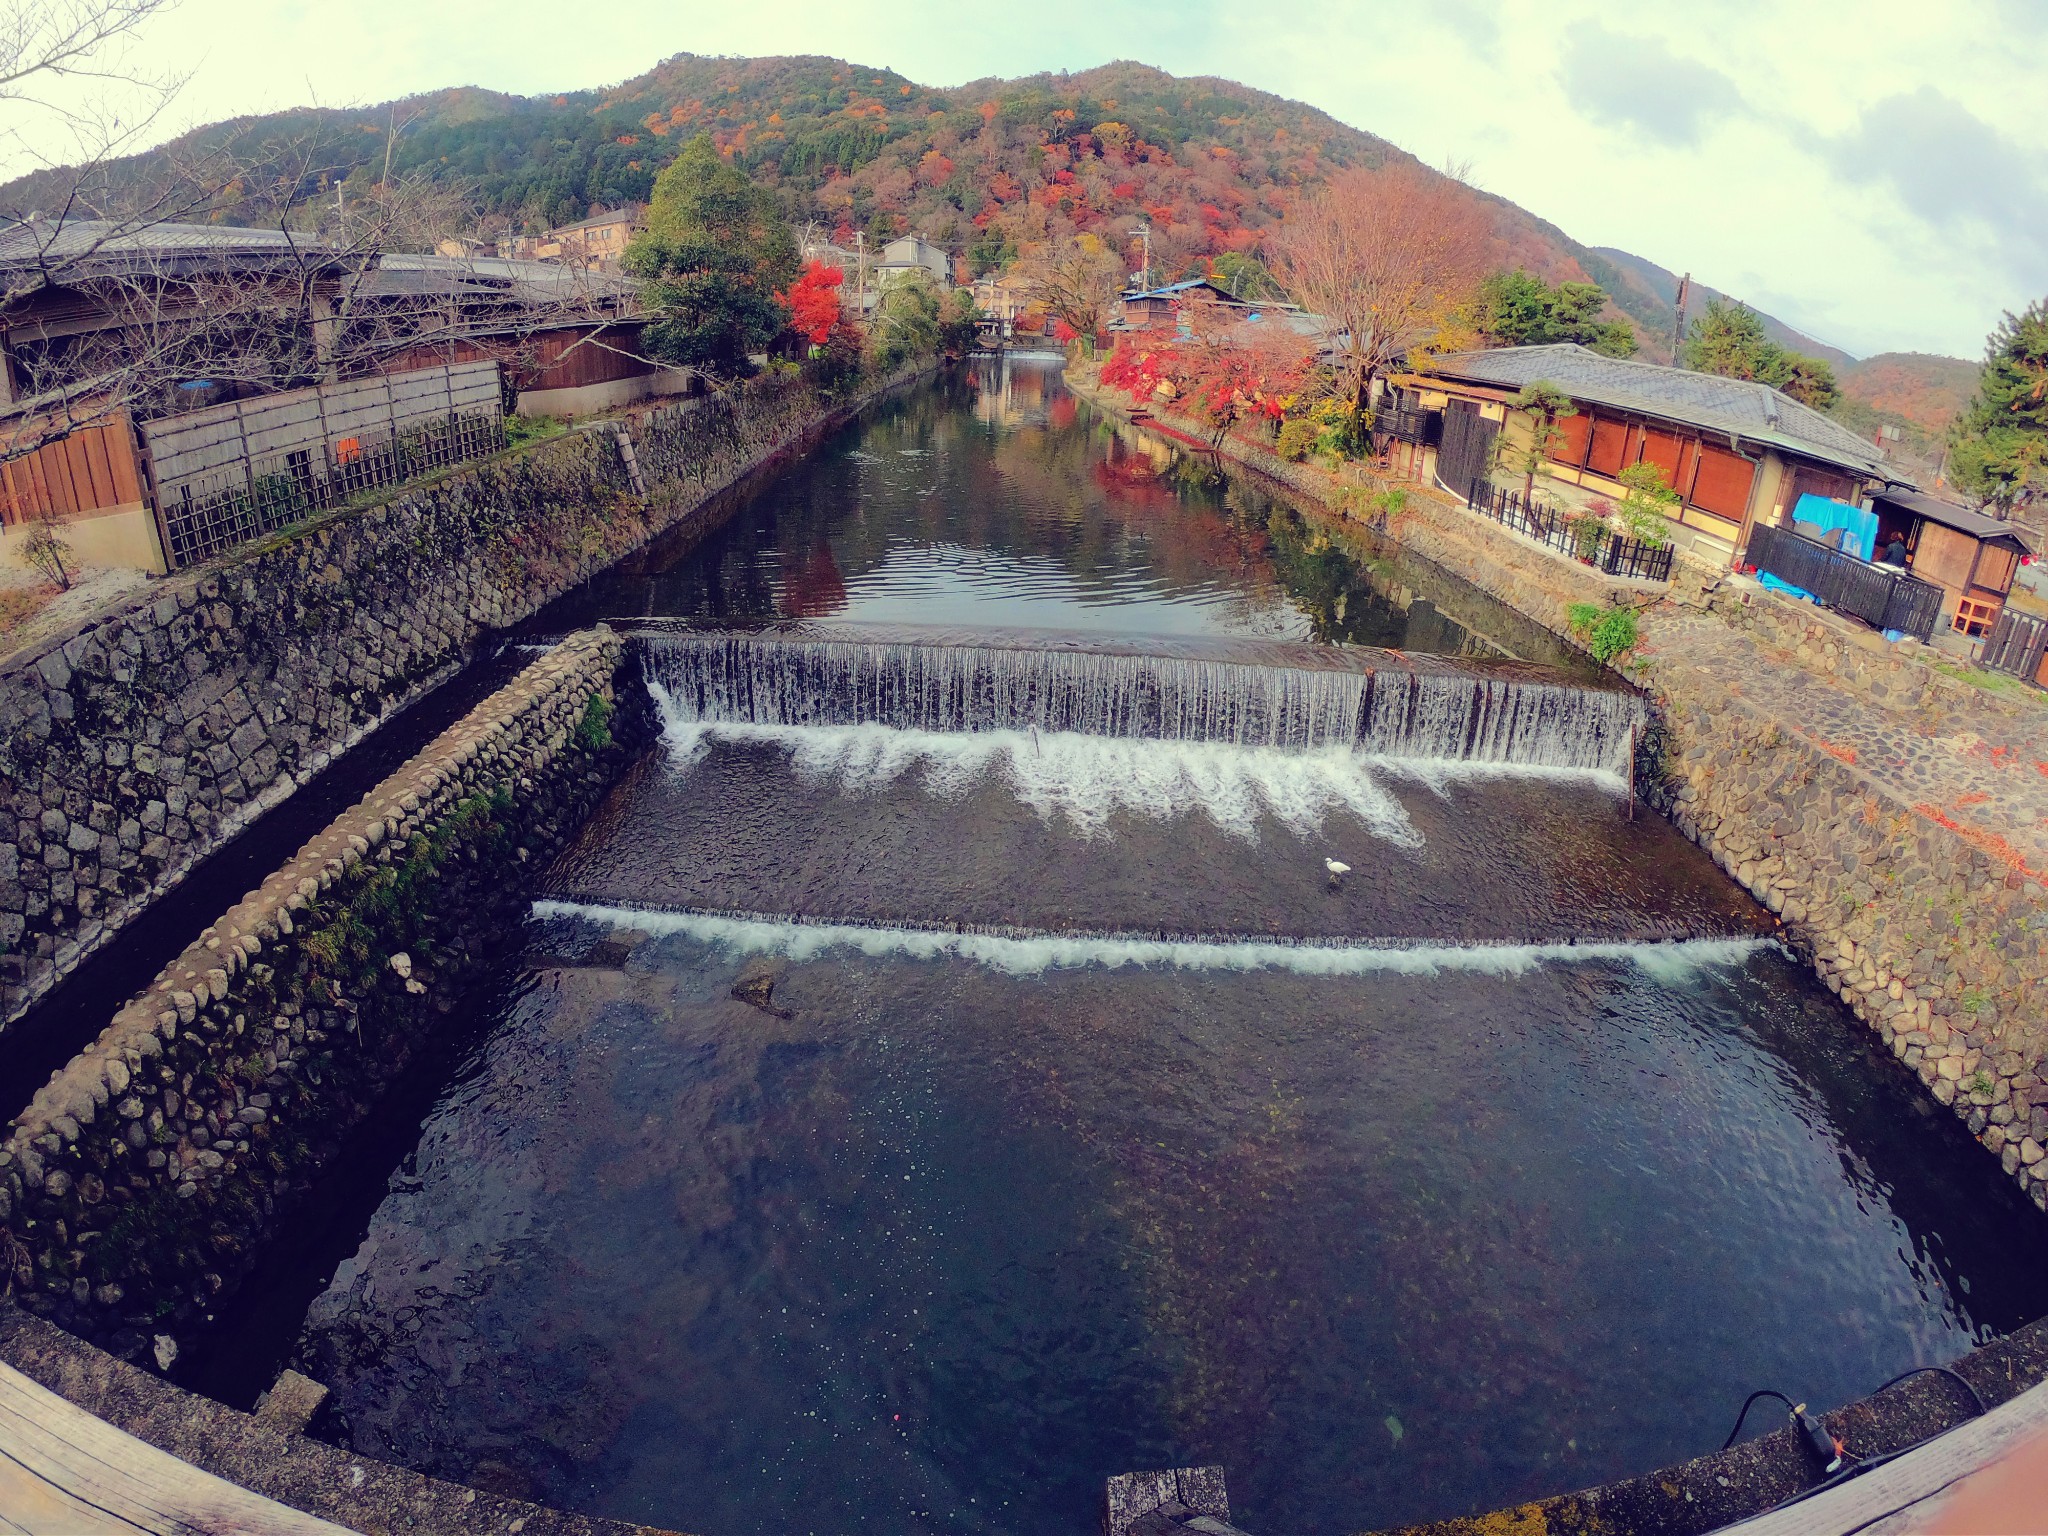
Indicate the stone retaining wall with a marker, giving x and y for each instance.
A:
(138, 1180)
(1935, 942)
(332, 1482)
(135, 746)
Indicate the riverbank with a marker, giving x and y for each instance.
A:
(136, 743)
(1896, 820)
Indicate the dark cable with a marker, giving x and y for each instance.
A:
(1869, 1464)
(1940, 1370)
(1750, 1402)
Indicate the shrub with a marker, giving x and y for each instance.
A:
(46, 550)
(1297, 440)
(594, 730)
(1647, 508)
(1605, 632)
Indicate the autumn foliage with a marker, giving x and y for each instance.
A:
(1219, 364)
(813, 302)
(1390, 257)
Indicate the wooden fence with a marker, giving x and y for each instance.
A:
(2017, 644)
(238, 471)
(1883, 597)
(90, 469)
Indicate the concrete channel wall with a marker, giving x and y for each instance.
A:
(1934, 937)
(136, 745)
(140, 1179)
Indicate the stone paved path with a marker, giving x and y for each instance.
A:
(1978, 768)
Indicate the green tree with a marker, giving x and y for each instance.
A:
(1998, 447)
(1519, 309)
(1648, 503)
(908, 321)
(715, 253)
(1547, 405)
(1244, 277)
(1729, 339)
(959, 323)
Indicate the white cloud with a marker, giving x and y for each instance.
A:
(1877, 159)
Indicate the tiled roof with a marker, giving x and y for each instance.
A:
(1754, 412)
(1978, 525)
(30, 241)
(614, 216)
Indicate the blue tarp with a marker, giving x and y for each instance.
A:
(1775, 585)
(1829, 515)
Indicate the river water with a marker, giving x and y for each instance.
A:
(937, 1080)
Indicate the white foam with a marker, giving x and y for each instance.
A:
(1031, 955)
(1080, 779)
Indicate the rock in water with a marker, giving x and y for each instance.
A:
(758, 992)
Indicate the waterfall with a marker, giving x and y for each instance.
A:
(1246, 693)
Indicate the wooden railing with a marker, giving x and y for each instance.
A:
(1883, 597)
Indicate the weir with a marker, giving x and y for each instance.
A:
(1247, 693)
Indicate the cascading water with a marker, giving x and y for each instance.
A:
(1245, 693)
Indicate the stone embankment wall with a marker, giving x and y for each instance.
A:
(1937, 939)
(140, 1176)
(136, 746)
(1935, 942)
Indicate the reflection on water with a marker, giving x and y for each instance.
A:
(996, 498)
(946, 1246)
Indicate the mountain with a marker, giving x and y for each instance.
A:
(982, 168)
(1658, 289)
(1207, 164)
(1925, 389)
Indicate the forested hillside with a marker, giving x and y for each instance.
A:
(983, 169)
(1925, 389)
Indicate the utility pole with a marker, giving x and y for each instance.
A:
(860, 280)
(1145, 231)
(1678, 324)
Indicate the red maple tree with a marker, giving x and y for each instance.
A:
(813, 302)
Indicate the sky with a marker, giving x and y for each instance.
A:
(1873, 172)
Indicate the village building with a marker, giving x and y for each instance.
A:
(869, 272)
(178, 387)
(1144, 309)
(1971, 555)
(598, 242)
(1737, 452)
(1003, 300)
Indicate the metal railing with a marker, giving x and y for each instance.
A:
(211, 515)
(1883, 597)
(1584, 536)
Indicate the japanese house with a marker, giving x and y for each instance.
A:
(1737, 452)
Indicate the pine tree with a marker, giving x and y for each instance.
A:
(1998, 447)
(1729, 339)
